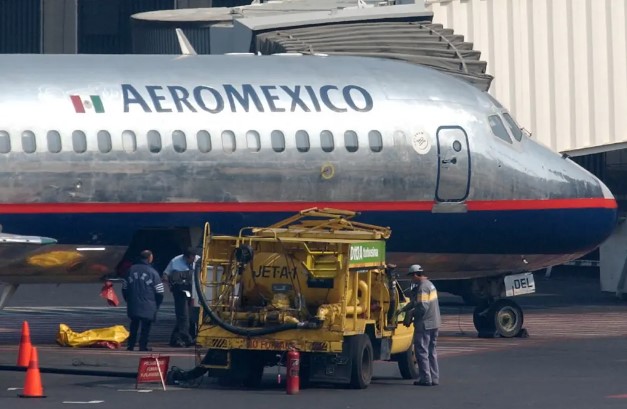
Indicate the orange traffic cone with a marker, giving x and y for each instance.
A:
(23, 356)
(32, 385)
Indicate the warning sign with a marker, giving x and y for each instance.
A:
(152, 369)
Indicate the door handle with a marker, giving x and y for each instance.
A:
(452, 160)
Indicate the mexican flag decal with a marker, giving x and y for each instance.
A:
(91, 104)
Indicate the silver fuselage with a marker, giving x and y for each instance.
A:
(460, 201)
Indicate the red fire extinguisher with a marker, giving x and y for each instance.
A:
(292, 380)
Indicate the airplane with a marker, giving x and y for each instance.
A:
(104, 155)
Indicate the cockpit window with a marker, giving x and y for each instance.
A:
(513, 126)
(498, 128)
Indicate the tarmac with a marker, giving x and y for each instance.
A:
(575, 357)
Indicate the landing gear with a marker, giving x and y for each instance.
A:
(502, 318)
(494, 315)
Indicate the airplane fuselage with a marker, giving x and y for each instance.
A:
(93, 148)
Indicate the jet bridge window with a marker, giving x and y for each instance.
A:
(28, 142)
(203, 139)
(104, 141)
(253, 141)
(513, 126)
(54, 141)
(79, 141)
(351, 142)
(326, 141)
(278, 141)
(302, 141)
(154, 141)
(498, 128)
(179, 142)
(5, 142)
(375, 140)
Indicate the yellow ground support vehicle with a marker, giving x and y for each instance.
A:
(316, 282)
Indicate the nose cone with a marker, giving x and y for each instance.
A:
(610, 216)
(598, 212)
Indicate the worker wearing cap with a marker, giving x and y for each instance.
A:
(426, 317)
(179, 275)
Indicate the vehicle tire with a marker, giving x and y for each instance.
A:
(254, 376)
(407, 364)
(507, 317)
(361, 361)
(482, 318)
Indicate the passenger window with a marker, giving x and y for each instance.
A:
(278, 141)
(253, 141)
(302, 141)
(326, 141)
(513, 127)
(104, 141)
(54, 141)
(79, 141)
(179, 142)
(28, 142)
(351, 141)
(129, 141)
(154, 141)
(5, 142)
(203, 139)
(228, 141)
(498, 128)
(375, 140)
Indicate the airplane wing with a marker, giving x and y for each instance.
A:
(40, 260)
(19, 239)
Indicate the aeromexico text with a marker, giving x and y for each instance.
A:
(246, 97)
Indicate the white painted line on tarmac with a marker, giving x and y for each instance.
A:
(79, 402)
(14, 389)
(134, 390)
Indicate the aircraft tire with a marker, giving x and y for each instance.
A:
(507, 317)
(361, 361)
(407, 364)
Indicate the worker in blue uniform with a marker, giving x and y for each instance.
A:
(143, 292)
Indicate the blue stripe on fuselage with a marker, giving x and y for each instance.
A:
(555, 231)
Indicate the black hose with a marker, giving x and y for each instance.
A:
(244, 331)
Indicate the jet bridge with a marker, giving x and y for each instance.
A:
(330, 27)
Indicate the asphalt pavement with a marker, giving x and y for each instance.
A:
(575, 357)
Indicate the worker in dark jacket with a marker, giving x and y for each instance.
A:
(426, 318)
(143, 292)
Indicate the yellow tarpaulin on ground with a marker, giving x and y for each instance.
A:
(116, 334)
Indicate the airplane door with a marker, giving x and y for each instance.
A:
(454, 164)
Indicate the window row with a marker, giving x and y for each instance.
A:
(154, 141)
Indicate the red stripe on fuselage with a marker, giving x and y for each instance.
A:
(546, 204)
(269, 207)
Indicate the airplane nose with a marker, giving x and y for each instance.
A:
(603, 216)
